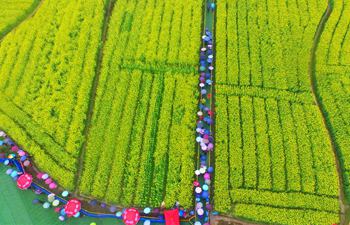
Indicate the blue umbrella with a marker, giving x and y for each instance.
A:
(93, 202)
(46, 205)
(113, 209)
(212, 6)
(147, 210)
(65, 193)
(14, 174)
(9, 171)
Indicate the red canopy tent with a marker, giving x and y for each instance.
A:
(72, 207)
(131, 216)
(24, 181)
(172, 217)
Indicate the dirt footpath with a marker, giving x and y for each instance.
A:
(223, 220)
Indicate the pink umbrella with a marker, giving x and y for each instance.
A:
(131, 216)
(24, 181)
(73, 207)
(39, 175)
(48, 181)
(15, 148)
(53, 185)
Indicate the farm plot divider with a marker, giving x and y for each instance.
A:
(204, 128)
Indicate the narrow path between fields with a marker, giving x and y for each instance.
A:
(223, 220)
(107, 16)
(209, 22)
(344, 207)
(35, 7)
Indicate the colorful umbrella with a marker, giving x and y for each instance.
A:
(73, 207)
(147, 210)
(65, 193)
(131, 216)
(24, 181)
(26, 163)
(46, 205)
(53, 185)
(113, 209)
(55, 202)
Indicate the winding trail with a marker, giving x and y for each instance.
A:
(107, 16)
(344, 207)
(35, 7)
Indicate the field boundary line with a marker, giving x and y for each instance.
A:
(287, 208)
(157, 67)
(32, 10)
(344, 207)
(278, 94)
(233, 220)
(108, 13)
(308, 200)
(334, 29)
(11, 106)
(333, 69)
(286, 192)
(35, 141)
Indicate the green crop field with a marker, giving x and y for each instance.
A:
(275, 160)
(55, 55)
(103, 95)
(140, 145)
(12, 12)
(144, 105)
(333, 82)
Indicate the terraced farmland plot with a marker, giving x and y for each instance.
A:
(140, 148)
(333, 81)
(274, 161)
(104, 94)
(13, 12)
(144, 105)
(47, 69)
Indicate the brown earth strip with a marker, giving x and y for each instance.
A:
(107, 16)
(344, 207)
(35, 7)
